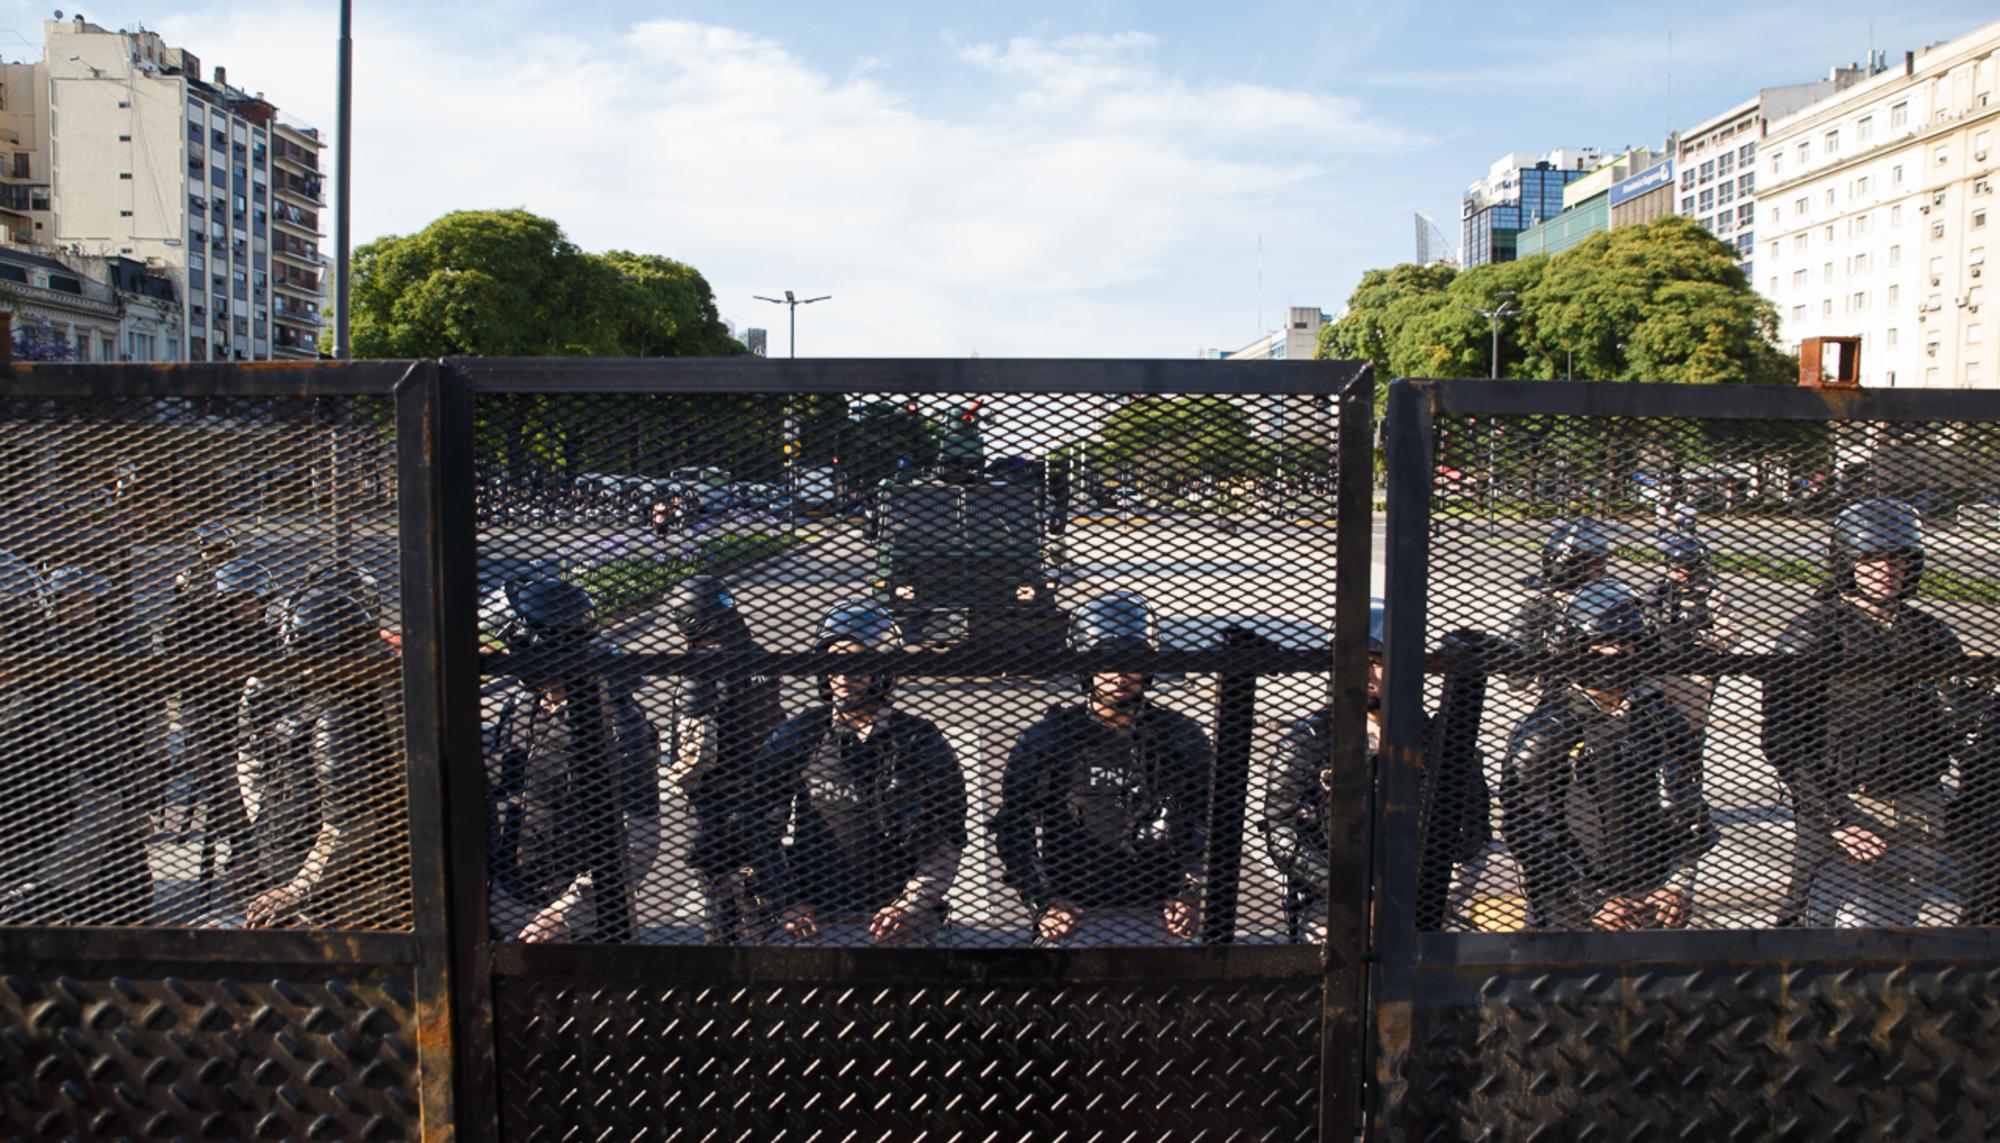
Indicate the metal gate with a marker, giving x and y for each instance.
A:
(150, 519)
(1689, 790)
(943, 532)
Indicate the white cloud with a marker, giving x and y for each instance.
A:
(1077, 202)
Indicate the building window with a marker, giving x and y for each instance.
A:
(1798, 277)
(1895, 296)
(1974, 333)
(1777, 164)
(1974, 374)
(1799, 241)
(1864, 129)
(1746, 183)
(1707, 199)
(1896, 215)
(1978, 219)
(1773, 288)
(1860, 225)
(124, 214)
(1982, 186)
(1743, 213)
(1895, 256)
(1746, 154)
(1899, 116)
(1980, 143)
(1829, 196)
(1826, 272)
(1687, 178)
(1889, 338)
(1687, 204)
(1724, 221)
(1798, 313)
(1826, 308)
(1724, 163)
(125, 175)
(1861, 186)
(124, 138)
(1859, 301)
(1937, 229)
(1833, 142)
(1801, 205)
(1708, 170)
(1804, 153)
(1725, 192)
(1941, 156)
(1931, 376)
(1937, 270)
(1896, 175)
(1860, 264)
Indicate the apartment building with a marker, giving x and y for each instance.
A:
(145, 159)
(1876, 212)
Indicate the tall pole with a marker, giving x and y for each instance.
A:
(1493, 362)
(791, 301)
(343, 159)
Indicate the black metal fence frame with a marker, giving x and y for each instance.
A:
(1421, 975)
(199, 965)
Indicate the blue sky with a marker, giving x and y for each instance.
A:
(1078, 179)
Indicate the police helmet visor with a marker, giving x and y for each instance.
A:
(1116, 621)
(1878, 527)
(243, 577)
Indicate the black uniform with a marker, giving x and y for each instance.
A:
(324, 753)
(1835, 738)
(869, 819)
(1122, 817)
(722, 716)
(213, 651)
(1598, 804)
(547, 803)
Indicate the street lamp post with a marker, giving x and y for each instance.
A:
(792, 303)
(1494, 315)
(343, 157)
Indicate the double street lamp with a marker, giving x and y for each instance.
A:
(1505, 309)
(792, 304)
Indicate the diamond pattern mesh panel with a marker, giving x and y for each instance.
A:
(658, 772)
(1139, 1061)
(1739, 674)
(1702, 1051)
(198, 608)
(206, 1052)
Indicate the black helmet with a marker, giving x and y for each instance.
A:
(1602, 611)
(1114, 621)
(865, 623)
(702, 606)
(546, 615)
(1874, 528)
(320, 620)
(1571, 554)
(243, 577)
(1685, 551)
(1378, 618)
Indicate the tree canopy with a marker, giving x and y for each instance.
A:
(1662, 301)
(508, 283)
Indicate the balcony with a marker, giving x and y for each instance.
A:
(303, 189)
(295, 316)
(296, 281)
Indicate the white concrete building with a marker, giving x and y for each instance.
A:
(1876, 213)
(144, 159)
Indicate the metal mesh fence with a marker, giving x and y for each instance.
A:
(1711, 674)
(202, 718)
(670, 584)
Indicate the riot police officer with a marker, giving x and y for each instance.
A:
(1103, 826)
(572, 768)
(1864, 754)
(1685, 617)
(722, 713)
(319, 775)
(1575, 553)
(874, 798)
(215, 640)
(1456, 882)
(1600, 792)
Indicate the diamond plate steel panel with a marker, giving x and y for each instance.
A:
(1823, 1051)
(210, 1052)
(591, 1059)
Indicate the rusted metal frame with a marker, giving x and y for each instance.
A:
(417, 507)
(453, 534)
(745, 965)
(167, 947)
(750, 376)
(1459, 951)
(1343, 1075)
(302, 379)
(1398, 780)
(1708, 402)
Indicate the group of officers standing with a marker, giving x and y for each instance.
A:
(254, 736)
(847, 822)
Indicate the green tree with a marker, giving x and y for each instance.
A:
(508, 283)
(1663, 301)
(1167, 444)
